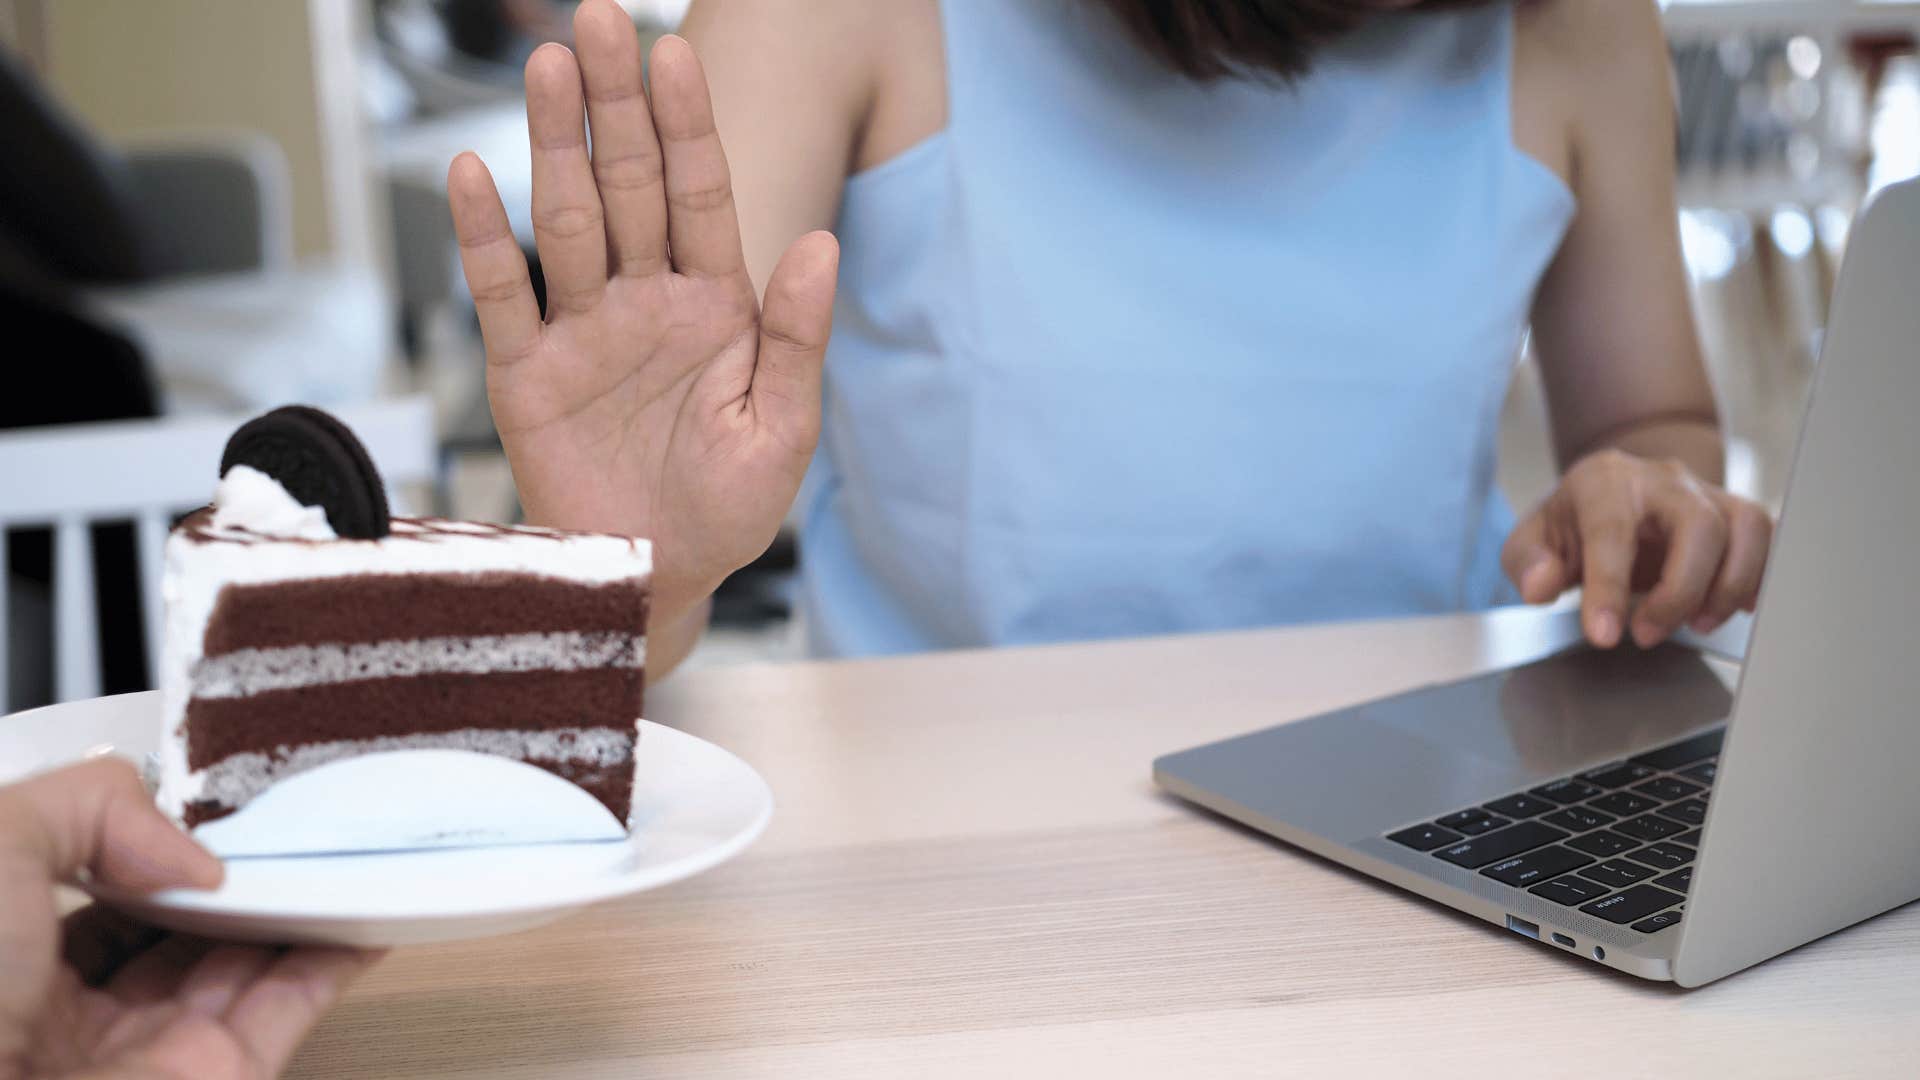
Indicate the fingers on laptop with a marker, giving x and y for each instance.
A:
(1533, 563)
(1695, 531)
(1609, 542)
(1737, 586)
(1620, 524)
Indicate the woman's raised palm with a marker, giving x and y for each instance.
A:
(657, 398)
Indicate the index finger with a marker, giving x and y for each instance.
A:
(1608, 544)
(274, 1014)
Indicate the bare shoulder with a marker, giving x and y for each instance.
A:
(1594, 38)
(836, 43)
(910, 102)
(1587, 74)
(880, 66)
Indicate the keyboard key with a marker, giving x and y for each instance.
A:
(1471, 822)
(1633, 905)
(1656, 923)
(1603, 844)
(1678, 881)
(1578, 819)
(1651, 827)
(1623, 804)
(1704, 745)
(1620, 775)
(1567, 792)
(1691, 839)
(1570, 890)
(1424, 837)
(1705, 772)
(1504, 844)
(1691, 812)
(1666, 788)
(1663, 856)
(1536, 866)
(1618, 873)
(1519, 806)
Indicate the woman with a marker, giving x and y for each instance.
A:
(1155, 316)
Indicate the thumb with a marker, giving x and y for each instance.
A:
(1531, 562)
(97, 817)
(100, 819)
(795, 323)
(94, 817)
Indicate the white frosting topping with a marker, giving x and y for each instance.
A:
(250, 499)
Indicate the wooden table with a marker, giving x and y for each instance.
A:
(970, 873)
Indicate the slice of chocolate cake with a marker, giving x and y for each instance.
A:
(290, 646)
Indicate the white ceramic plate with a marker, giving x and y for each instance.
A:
(695, 805)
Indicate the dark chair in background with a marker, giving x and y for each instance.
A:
(137, 281)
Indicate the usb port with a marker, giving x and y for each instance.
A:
(1521, 926)
(1562, 939)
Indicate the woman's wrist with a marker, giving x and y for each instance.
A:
(673, 602)
(1695, 441)
(671, 637)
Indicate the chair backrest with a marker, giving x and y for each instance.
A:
(69, 477)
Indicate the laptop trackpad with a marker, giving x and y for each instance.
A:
(1360, 771)
(1554, 715)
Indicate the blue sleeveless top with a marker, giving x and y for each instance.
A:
(1117, 353)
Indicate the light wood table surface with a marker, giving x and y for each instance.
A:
(970, 873)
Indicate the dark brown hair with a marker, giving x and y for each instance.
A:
(1211, 39)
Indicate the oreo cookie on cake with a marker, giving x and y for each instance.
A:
(306, 626)
(318, 462)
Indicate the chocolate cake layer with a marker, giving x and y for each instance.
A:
(218, 728)
(382, 607)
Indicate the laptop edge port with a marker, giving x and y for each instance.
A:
(1521, 926)
(1562, 939)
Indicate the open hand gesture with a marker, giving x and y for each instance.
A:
(658, 397)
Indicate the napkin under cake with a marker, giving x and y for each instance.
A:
(304, 626)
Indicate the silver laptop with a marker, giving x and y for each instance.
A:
(1626, 806)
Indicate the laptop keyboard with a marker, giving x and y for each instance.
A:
(1616, 842)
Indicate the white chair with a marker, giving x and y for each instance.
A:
(234, 322)
(70, 477)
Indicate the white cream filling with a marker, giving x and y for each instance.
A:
(254, 671)
(236, 779)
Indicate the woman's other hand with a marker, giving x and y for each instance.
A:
(1620, 524)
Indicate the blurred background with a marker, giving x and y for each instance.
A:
(266, 222)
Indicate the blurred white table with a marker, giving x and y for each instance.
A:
(969, 873)
(1806, 16)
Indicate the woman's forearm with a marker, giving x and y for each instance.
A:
(1619, 354)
